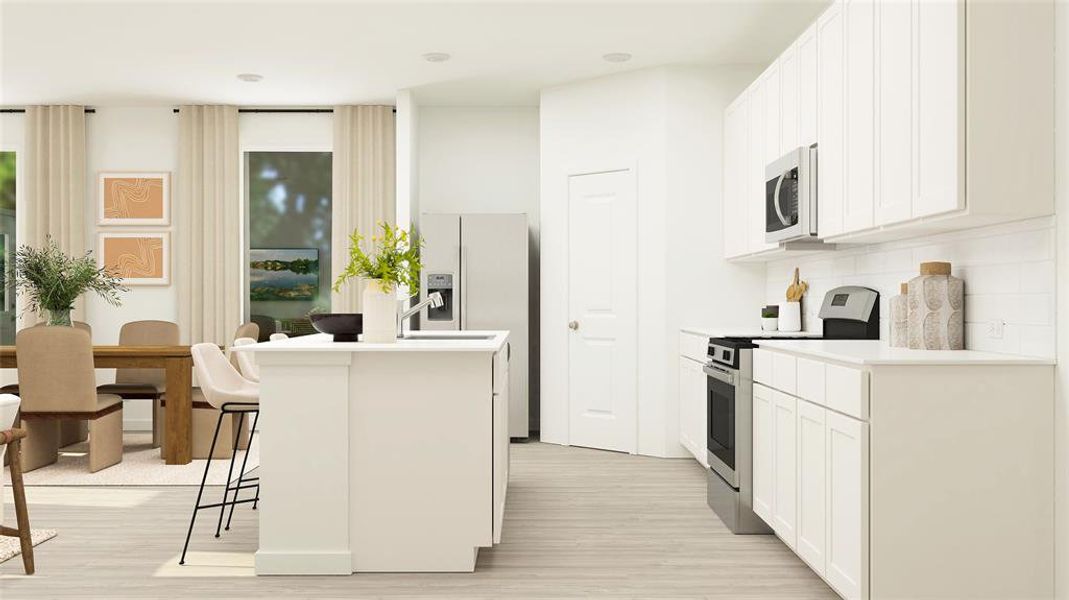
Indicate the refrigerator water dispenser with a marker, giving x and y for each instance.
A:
(443, 284)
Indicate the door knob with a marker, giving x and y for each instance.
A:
(573, 325)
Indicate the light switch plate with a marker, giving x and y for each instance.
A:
(995, 329)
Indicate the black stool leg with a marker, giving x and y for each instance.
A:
(241, 474)
(230, 474)
(200, 492)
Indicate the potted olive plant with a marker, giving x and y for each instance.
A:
(53, 280)
(392, 261)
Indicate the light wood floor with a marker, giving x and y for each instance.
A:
(578, 523)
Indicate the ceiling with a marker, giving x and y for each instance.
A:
(322, 53)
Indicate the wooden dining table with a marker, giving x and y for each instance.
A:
(177, 362)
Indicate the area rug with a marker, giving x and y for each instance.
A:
(141, 466)
(10, 547)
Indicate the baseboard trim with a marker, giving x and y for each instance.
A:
(304, 563)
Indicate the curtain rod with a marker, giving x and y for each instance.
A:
(22, 110)
(281, 110)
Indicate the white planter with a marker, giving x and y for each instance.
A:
(380, 313)
(769, 324)
(790, 316)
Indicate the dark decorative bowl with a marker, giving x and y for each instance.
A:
(345, 327)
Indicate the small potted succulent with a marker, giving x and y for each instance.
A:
(770, 318)
(53, 280)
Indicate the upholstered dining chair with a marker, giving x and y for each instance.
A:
(143, 384)
(276, 337)
(13, 388)
(57, 382)
(226, 390)
(10, 445)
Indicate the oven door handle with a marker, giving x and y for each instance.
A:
(720, 374)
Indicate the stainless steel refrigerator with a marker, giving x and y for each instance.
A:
(479, 264)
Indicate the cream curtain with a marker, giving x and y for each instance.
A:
(55, 182)
(363, 188)
(208, 242)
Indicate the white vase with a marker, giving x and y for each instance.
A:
(769, 323)
(790, 316)
(936, 309)
(380, 313)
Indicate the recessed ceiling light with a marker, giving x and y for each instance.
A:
(616, 57)
(250, 77)
(436, 57)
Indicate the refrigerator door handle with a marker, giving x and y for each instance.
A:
(463, 290)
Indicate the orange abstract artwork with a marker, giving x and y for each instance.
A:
(139, 258)
(133, 198)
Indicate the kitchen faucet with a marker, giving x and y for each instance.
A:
(433, 300)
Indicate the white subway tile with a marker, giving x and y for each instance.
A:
(1038, 277)
(990, 279)
(1038, 341)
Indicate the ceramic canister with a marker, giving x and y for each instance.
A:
(936, 309)
(900, 318)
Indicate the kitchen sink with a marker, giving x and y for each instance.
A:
(448, 336)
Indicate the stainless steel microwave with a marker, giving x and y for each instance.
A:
(791, 196)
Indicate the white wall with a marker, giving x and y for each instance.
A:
(407, 160)
(665, 123)
(473, 159)
(1009, 273)
(1061, 409)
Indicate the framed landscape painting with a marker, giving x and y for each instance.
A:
(128, 198)
(139, 258)
(283, 274)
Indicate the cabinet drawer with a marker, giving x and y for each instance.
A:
(811, 380)
(846, 390)
(693, 346)
(784, 376)
(762, 366)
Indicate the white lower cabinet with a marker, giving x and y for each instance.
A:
(692, 419)
(810, 483)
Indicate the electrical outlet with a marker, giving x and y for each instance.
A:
(995, 329)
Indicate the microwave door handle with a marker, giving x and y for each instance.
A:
(775, 201)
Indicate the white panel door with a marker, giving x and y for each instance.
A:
(785, 459)
(763, 448)
(755, 190)
(807, 88)
(692, 401)
(831, 71)
(894, 112)
(736, 160)
(847, 498)
(789, 99)
(602, 252)
(858, 201)
(939, 67)
(812, 481)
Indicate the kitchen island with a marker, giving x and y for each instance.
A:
(381, 457)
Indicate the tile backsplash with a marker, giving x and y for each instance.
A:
(1008, 269)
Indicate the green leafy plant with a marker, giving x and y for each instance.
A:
(53, 280)
(770, 312)
(393, 259)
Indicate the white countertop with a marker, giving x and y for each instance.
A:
(877, 352)
(755, 333)
(414, 341)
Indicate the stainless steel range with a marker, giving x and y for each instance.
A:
(848, 312)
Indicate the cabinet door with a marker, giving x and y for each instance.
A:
(692, 411)
(789, 99)
(939, 67)
(858, 201)
(807, 88)
(894, 112)
(812, 509)
(736, 161)
(755, 191)
(763, 446)
(770, 83)
(785, 460)
(847, 543)
(831, 71)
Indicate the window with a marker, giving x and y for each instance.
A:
(288, 195)
(7, 247)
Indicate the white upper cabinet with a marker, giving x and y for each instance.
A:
(770, 85)
(860, 108)
(831, 73)
(894, 112)
(806, 51)
(789, 100)
(736, 161)
(755, 194)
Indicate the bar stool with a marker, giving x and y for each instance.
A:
(275, 337)
(247, 366)
(230, 393)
